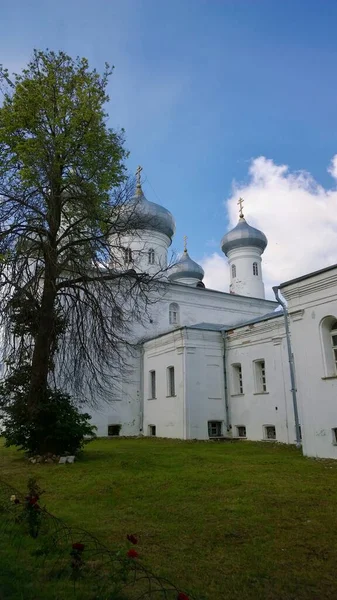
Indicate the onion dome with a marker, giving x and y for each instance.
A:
(149, 215)
(243, 235)
(186, 268)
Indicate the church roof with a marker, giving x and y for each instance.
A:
(186, 268)
(312, 274)
(243, 235)
(149, 215)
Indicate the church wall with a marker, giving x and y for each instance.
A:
(309, 303)
(195, 306)
(122, 405)
(165, 412)
(254, 408)
(205, 390)
(199, 305)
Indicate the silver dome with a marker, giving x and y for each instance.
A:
(243, 235)
(186, 268)
(149, 215)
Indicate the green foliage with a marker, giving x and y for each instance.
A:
(59, 166)
(54, 425)
(53, 126)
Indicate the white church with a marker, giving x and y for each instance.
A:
(229, 365)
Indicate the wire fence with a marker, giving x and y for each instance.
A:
(72, 562)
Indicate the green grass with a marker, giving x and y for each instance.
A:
(227, 520)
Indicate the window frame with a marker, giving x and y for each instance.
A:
(238, 427)
(171, 383)
(174, 309)
(265, 433)
(255, 269)
(128, 256)
(260, 376)
(152, 385)
(217, 424)
(233, 271)
(118, 428)
(151, 256)
(152, 430)
(237, 379)
(333, 333)
(328, 329)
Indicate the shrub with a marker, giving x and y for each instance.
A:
(55, 424)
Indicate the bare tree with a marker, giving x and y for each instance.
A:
(67, 297)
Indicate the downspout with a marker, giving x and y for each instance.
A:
(228, 423)
(141, 391)
(291, 366)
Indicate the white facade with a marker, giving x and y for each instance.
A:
(312, 305)
(210, 364)
(245, 268)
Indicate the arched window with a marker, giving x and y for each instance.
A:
(255, 269)
(151, 256)
(329, 345)
(127, 256)
(233, 270)
(174, 313)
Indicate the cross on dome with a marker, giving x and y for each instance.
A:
(185, 243)
(240, 203)
(138, 186)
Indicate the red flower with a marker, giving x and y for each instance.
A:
(132, 538)
(78, 546)
(132, 553)
(33, 499)
(182, 596)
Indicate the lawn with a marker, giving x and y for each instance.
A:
(226, 520)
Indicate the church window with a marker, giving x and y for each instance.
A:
(255, 269)
(329, 345)
(174, 313)
(114, 429)
(260, 376)
(214, 429)
(127, 256)
(152, 430)
(269, 432)
(237, 379)
(334, 344)
(334, 436)
(170, 382)
(241, 431)
(152, 385)
(233, 270)
(151, 256)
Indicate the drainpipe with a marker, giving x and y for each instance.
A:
(228, 424)
(141, 391)
(291, 365)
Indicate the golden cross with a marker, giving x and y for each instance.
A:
(241, 201)
(138, 186)
(185, 243)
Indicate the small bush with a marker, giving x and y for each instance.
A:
(54, 425)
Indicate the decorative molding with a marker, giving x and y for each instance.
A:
(297, 315)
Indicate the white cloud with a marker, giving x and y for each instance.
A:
(298, 216)
(216, 272)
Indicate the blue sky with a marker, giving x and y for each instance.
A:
(202, 87)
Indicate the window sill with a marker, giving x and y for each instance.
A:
(330, 377)
(172, 396)
(233, 395)
(260, 393)
(155, 398)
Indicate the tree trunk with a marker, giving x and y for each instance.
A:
(44, 337)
